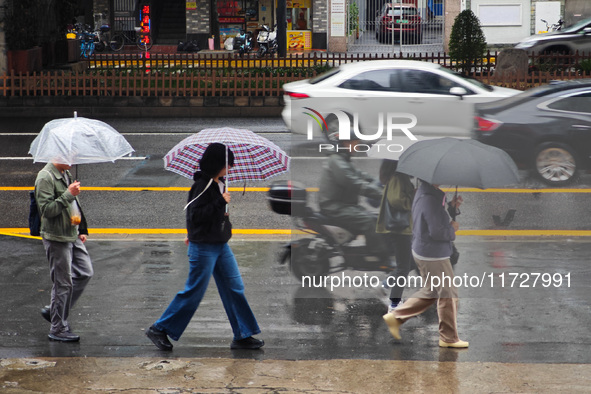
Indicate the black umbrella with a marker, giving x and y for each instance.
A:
(459, 162)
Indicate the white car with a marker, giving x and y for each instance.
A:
(440, 101)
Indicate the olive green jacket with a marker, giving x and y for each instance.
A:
(399, 193)
(53, 201)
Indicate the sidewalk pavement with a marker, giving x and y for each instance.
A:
(224, 375)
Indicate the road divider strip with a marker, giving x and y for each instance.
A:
(23, 232)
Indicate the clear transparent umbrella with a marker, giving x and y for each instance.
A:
(78, 140)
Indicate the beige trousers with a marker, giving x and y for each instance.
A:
(444, 293)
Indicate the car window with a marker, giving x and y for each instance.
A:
(405, 12)
(578, 103)
(376, 80)
(426, 82)
(577, 26)
(324, 76)
(469, 80)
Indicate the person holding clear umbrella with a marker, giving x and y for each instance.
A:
(209, 230)
(64, 232)
(63, 143)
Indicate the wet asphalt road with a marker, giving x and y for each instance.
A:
(135, 279)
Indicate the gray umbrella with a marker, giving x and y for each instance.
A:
(460, 162)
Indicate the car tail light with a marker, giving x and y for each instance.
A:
(295, 95)
(484, 124)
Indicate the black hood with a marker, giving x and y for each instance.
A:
(214, 159)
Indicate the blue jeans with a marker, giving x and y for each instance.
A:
(205, 260)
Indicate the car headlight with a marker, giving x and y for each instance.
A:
(526, 44)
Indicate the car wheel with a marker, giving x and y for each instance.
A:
(555, 164)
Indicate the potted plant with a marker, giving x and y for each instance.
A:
(354, 19)
(23, 54)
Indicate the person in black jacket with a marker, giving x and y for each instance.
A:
(209, 229)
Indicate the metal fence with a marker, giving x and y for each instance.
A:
(197, 75)
(378, 26)
(314, 61)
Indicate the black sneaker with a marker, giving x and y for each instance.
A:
(46, 313)
(159, 338)
(247, 343)
(65, 336)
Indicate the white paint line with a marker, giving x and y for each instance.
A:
(30, 158)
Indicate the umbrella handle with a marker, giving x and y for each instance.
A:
(227, 176)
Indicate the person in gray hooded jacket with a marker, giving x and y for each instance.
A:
(433, 233)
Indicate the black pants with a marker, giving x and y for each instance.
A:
(402, 245)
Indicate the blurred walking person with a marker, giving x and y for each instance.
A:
(398, 195)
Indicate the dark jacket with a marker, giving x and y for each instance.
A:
(54, 201)
(206, 217)
(341, 184)
(432, 231)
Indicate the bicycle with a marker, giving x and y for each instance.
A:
(86, 44)
(86, 38)
(143, 41)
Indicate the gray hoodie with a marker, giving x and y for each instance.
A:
(432, 231)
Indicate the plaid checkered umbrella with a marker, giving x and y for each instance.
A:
(255, 157)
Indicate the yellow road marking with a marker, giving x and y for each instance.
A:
(481, 233)
(17, 234)
(310, 189)
(526, 233)
(507, 190)
(254, 231)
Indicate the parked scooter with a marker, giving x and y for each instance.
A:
(312, 255)
(267, 40)
(554, 27)
(102, 38)
(243, 42)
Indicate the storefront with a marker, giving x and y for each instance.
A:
(234, 15)
(299, 24)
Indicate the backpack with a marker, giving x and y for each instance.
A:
(34, 217)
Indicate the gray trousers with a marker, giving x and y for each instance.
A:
(70, 270)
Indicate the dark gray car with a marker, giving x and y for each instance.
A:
(569, 40)
(547, 129)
